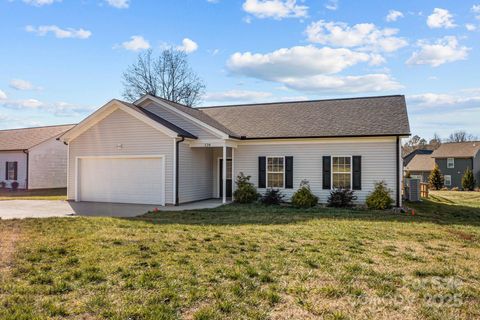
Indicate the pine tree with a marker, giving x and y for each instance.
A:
(436, 178)
(468, 180)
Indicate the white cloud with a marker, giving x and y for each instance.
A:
(23, 104)
(343, 84)
(57, 108)
(441, 51)
(136, 43)
(59, 32)
(276, 9)
(440, 18)
(476, 9)
(393, 15)
(363, 35)
(188, 46)
(310, 69)
(295, 61)
(237, 95)
(332, 5)
(119, 4)
(39, 3)
(20, 84)
(462, 99)
(470, 27)
(213, 1)
(3, 95)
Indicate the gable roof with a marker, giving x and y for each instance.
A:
(181, 132)
(26, 138)
(421, 162)
(369, 116)
(457, 150)
(409, 157)
(197, 114)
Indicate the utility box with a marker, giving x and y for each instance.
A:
(412, 189)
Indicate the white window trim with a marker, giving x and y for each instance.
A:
(266, 172)
(445, 180)
(331, 170)
(452, 161)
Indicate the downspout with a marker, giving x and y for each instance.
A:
(177, 165)
(398, 171)
(28, 160)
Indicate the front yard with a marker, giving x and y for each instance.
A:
(42, 194)
(247, 262)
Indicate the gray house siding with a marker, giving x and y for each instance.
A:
(476, 168)
(461, 164)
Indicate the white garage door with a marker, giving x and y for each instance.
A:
(122, 180)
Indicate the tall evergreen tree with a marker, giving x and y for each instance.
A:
(436, 178)
(468, 180)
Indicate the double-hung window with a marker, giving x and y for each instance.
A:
(11, 170)
(450, 163)
(447, 180)
(341, 172)
(275, 172)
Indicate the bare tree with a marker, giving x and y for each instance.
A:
(168, 76)
(461, 136)
(436, 141)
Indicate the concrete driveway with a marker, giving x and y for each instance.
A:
(19, 209)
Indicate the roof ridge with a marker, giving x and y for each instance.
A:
(298, 101)
(39, 127)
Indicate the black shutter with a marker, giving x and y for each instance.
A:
(327, 184)
(6, 170)
(289, 172)
(357, 173)
(262, 172)
(15, 166)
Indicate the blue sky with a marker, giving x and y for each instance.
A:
(60, 60)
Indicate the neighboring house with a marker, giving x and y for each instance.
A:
(420, 165)
(454, 158)
(34, 157)
(409, 157)
(155, 151)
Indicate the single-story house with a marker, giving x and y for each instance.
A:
(33, 157)
(420, 165)
(454, 158)
(155, 151)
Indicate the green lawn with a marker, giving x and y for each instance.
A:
(42, 194)
(247, 262)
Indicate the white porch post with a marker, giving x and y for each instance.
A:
(224, 175)
(233, 172)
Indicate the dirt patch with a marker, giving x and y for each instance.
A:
(10, 234)
(462, 235)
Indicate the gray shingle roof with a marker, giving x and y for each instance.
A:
(457, 150)
(370, 116)
(181, 132)
(421, 162)
(26, 138)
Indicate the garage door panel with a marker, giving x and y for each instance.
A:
(123, 180)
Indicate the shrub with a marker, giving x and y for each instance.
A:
(455, 189)
(246, 191)
(341, 198)
(436, 179)
(303, 197)
(272, 196)
(468, 180)
(379, 198)
(14, 185)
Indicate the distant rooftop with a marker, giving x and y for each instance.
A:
(26, 138)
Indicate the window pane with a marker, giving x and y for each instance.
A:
(341, 180)
(275, 180)
(229, 170)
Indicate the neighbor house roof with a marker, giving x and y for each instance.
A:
(409, 157)
(457, 150)
(26, 138)
(370, 116)
(421, 162)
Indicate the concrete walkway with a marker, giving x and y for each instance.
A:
(20, 209)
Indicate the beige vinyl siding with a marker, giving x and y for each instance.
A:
(179, 121)
(48, 165)
(136, 138)
(196, 176)
(378, 161)
(12, 156)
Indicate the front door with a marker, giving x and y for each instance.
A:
(229, 177)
